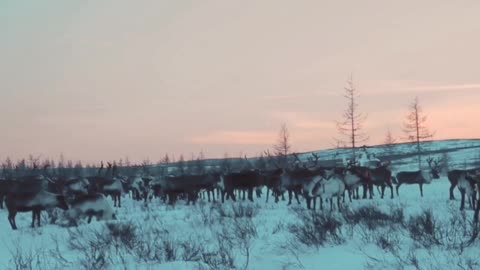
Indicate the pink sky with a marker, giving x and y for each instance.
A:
(104, 80)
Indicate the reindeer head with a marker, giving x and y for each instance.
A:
(434, 165)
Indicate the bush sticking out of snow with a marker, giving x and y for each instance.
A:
(123, 234)
(424, 229)
(236, 210)
(373, 218)
(317, 229)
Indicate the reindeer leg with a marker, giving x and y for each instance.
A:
(398, 186)
(370, 188)
(474, 198)
(452, 188)
(391, 190)
(470, 202)
(11, 219)
(475, 216)
(338, 202)
(421, 189)
(383, 191)
(38, 217)
(33, 218)
(250, 194)
(462, 203)
(331, 204)
(289, 197)
(296, 197)
(268, 192)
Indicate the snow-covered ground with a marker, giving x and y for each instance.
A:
(209, 234)
(273, 246)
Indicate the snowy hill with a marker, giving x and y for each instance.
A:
(388, 233)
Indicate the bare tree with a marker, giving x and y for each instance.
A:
(415, 127)
(165, 164)
(226, 164)
(78, 169)
(283, 147)
(446, 162)
(389, 142)
(260, 162)
(351, 125)
(181, 167)
(199, 163)
(7, 168)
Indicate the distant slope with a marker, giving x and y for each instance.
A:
(462, 153)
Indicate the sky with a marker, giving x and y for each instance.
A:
(103, 80)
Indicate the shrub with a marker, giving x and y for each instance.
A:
(244, 210)
(123, 233)
(315, 229)
(423, 228)
(372, 217)
(388, 241)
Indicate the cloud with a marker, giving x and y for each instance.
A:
(446, 87)
(404, 87)
(235, 137)
(306, 95)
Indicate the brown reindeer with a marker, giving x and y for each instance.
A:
(454, 176)
(32, 201)
(419, 177)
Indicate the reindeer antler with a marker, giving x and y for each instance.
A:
(271, 159)
(248, 162)
(295, 155)
(429, 160)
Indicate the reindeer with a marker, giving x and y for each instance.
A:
(382, 177)
(354, 177)
(5, 186)
(71, 187)
(467, 185)
(272, 180)
(137, 186)
(32, 201)
(327, 188)
(113, 188)
(88, 206)
(108, 185)
(454, 176)
(173, 186)
(419, 177)
(291, 178)
(246, 180)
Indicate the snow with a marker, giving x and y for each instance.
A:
(273, 247)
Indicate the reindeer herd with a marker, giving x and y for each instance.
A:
(86, 197)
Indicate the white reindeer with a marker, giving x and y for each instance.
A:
(90, 205)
